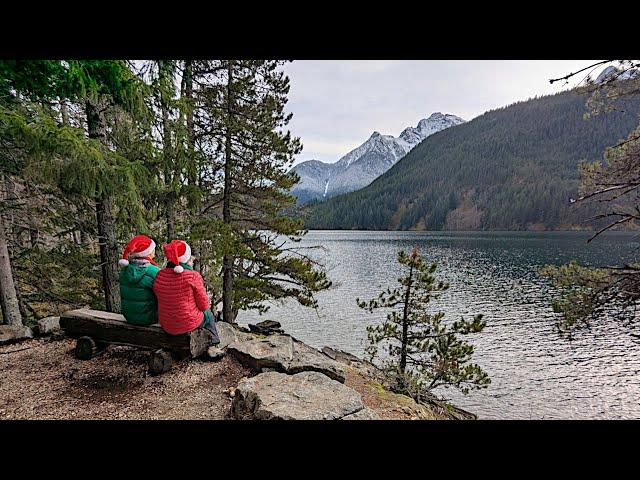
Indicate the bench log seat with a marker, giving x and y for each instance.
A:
(94, 329)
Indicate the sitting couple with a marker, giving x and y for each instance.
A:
(174, 295)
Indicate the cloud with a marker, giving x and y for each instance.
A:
(336, 105)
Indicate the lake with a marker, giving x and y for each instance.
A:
(535, 373)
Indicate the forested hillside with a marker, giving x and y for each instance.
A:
(514, 168)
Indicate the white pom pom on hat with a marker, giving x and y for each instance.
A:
(123, 262)
(177, 252)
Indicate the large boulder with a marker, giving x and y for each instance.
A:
(273, 352)
(284, 354)
(14, 333)
(303, 396)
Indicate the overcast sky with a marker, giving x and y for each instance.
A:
(336, 105)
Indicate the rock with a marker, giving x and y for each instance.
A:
(47, 326)
(340, 355)
(366, 368)
(275, 351)
(364, 414)
(306, 359)
(329, 352)
(14, 333)
(283, 354)
(229, 334)
(303, 396)
(266, 327)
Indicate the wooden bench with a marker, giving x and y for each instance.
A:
(95, 329)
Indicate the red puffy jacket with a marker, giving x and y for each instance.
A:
(182, 299)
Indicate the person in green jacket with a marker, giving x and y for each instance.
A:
(138, 302)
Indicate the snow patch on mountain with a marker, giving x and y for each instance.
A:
(612, 73)
(365, 163)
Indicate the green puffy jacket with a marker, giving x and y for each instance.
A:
(139, 304)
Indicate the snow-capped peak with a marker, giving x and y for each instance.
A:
(438, 119)
(366, 162)
(612, 73)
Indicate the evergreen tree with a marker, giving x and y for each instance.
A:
(611, 187)
(106, 87)
(424, 353)
(19, 81)
(46, 131)
(173, 158)
(245, 217)
(199, 148)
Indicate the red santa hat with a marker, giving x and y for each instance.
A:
(177, 252)
(139, 246)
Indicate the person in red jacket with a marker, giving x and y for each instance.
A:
(183, 303)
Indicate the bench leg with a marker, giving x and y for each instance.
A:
(160, 361)
(87, 348)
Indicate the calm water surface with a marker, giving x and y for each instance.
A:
(535, 373)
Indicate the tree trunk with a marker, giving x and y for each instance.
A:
(105, 216)
(171, 220)
(405, 323)
(227, 261)
(165, 76)
(8, 296)
(22, 304)
(170, 211)
(188, 95)
(108, 253)
(193, 170)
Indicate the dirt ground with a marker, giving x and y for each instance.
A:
(41, 379)
(45, 381)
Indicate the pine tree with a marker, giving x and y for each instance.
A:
(96, 144)
(104, 85)
(19, 81)
(611, 186)
(424, 353)
(165, 104)
(250, 167)
(82, 165)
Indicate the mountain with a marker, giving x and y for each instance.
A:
(514, 168)
(362, 165)
(612, 73)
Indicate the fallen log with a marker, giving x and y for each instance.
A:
(111, 328)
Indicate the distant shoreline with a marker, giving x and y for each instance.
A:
(472, 231)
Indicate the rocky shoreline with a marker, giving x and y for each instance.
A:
(267, 374)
